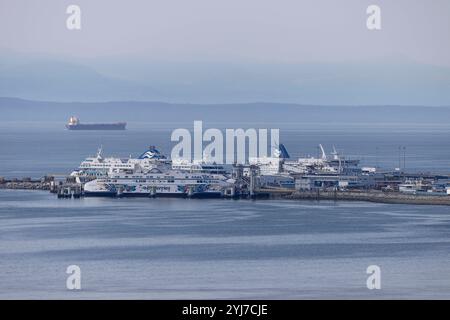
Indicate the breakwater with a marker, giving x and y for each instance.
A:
(44, 183)
(370, 195)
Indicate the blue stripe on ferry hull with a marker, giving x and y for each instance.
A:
(206, 195)
(99, 194)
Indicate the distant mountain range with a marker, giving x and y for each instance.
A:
(62, 81)
(13, 109)
(119, 79)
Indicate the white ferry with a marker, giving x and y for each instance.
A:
(157, 183)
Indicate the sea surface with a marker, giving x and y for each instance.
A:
(228, 249)
(30, 149)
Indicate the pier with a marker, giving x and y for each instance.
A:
(69, 191)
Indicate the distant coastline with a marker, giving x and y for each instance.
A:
(15, 109)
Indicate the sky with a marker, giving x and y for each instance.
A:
(115, 33)
(262, 30)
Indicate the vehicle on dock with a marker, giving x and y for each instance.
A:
(414, 187)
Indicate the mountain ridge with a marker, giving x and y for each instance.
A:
(17, 109)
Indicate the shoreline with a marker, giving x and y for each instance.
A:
(374, 196)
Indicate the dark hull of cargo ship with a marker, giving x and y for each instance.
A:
(98, 126)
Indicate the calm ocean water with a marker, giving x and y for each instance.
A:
(30, 149)
(177, 248)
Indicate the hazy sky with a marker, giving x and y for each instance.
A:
(231, 30)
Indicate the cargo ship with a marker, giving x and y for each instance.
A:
(75, 124)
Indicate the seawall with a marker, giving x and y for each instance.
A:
(371, 196)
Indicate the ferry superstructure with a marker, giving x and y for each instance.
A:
(337, 164)
(271, 165)
(203, 166)
(99, 166)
